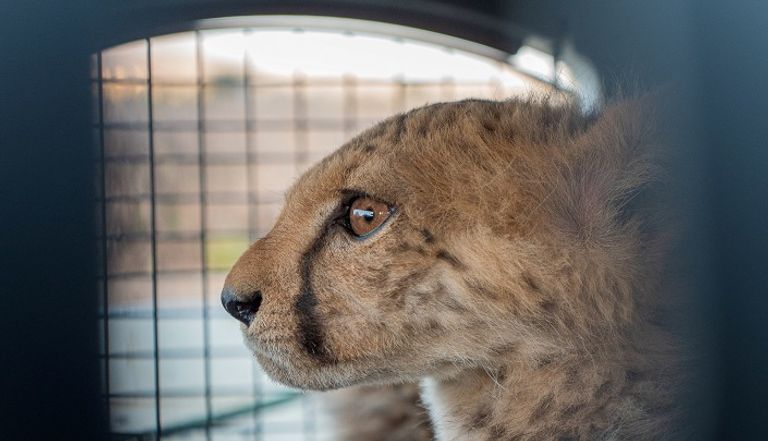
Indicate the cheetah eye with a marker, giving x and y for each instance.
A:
(366, 215)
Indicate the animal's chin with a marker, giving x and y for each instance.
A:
(281, 374)
(303, 373)
(287, 365)
(319, 379)
(291, 366)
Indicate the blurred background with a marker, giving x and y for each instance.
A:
(145, 145)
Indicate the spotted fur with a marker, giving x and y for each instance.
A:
(513, 274)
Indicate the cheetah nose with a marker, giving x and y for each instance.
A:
(243, 310)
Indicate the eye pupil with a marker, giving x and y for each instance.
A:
(366, 215)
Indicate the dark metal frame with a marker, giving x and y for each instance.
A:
(479, 22)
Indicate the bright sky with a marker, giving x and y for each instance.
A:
(332, 54)
(321, 53)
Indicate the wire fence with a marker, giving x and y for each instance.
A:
(198, 136)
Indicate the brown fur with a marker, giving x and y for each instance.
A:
(513, 274)
(380, 413)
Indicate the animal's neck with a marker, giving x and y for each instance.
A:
(571, 398)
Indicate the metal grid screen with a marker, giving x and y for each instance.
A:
(199, 133)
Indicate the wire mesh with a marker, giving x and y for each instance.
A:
(199, 134)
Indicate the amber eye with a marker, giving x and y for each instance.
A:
(366, 215)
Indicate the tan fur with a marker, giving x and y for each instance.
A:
(380, 413)
(513, 274)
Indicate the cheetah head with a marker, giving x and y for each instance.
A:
(443, 239)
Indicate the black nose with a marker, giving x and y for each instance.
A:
(243, 310)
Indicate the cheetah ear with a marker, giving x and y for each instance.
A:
(607, 168)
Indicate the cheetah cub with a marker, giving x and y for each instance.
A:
(491, 251)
